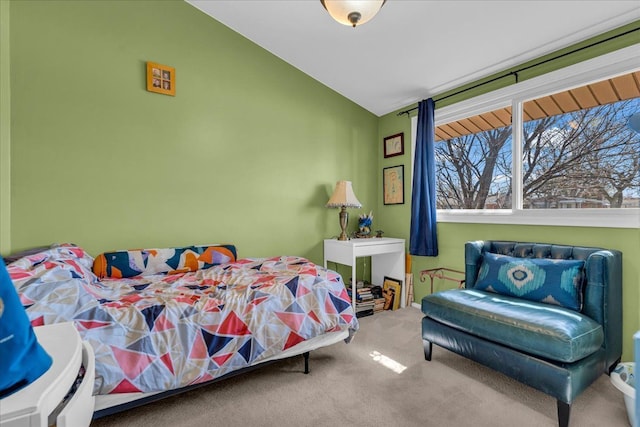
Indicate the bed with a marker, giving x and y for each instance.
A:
(166, 320)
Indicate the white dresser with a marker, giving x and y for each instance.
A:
(46, 401)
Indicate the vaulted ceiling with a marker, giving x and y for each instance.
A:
(414, 49)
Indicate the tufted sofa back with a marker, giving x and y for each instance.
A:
(603, 277)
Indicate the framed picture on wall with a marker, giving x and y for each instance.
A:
(161, 79)
(394, 145)
(393, 185)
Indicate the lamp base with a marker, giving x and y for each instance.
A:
(344, 220)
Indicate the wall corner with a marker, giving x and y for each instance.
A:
(5, 129)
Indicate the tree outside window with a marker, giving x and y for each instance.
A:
(577, 152)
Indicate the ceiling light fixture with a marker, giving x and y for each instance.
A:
(352, 12)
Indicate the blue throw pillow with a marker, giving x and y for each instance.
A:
(23, 359)
(551, 281)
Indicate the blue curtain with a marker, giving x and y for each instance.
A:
(423, 239)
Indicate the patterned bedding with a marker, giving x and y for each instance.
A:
(165, 331)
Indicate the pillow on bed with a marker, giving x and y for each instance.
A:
(58, 262)
(144, 262)
(551, 281)
(21, 254)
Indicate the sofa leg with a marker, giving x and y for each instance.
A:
(427, 349)
(612, 367)
(564, 410)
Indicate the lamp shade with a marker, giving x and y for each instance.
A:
(352, 12)
(343, 196)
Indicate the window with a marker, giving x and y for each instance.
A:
(473, 162)
(552, 150)
(583, 155)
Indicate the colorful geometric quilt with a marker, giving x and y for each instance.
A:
(165, 331)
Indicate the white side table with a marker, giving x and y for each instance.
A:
(387, 258)
(42, 403)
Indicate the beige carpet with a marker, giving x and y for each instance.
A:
(347, 386)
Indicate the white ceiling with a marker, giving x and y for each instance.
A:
(414, 49)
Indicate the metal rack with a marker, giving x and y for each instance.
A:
(442, 273)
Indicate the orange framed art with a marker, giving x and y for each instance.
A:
(392, 292)
(161, 79)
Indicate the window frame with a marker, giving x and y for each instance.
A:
(610, 65)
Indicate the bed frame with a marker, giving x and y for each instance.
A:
(110, 404)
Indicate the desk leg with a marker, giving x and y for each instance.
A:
(391, 265)
(353, 283)
(353, 280)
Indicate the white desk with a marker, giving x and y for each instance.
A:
(387, 258)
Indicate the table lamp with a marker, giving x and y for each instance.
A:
(343, 198)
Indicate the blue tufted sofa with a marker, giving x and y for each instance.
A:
(558, 343)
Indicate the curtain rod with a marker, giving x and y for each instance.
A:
(515, 73)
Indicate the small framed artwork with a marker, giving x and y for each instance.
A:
(394, 145)
(393, 185)
(161, 79)
(392, 292)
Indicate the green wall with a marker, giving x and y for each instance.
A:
(395, 220)
(248, 152)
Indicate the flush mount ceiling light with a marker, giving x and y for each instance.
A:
(352, 12)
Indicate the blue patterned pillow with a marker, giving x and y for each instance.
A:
(144, 262)
(551, 281)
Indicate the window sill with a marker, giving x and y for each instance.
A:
(606, 218)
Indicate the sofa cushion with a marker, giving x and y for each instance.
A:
(144, 262)
(543, 330)
(552, 281)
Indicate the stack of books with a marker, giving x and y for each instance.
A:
(364, 300)
(378, 304)
(378, 298)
